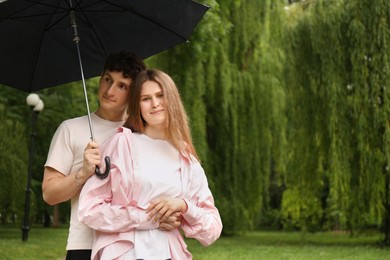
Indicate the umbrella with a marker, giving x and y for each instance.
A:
(51, 42)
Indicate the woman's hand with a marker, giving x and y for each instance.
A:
(162, 208)
(172, 222)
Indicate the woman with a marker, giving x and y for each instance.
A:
(155, 174)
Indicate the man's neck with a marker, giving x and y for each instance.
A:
(111, 116)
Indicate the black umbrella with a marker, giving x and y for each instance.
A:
(51, 42)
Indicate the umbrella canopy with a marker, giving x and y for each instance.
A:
(37, 47)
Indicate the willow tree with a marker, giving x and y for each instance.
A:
(369, 38)
(338, 109)
(13, 168)
(311, 86)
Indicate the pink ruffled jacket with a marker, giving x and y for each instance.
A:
(110, 207)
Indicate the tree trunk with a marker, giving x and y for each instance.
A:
(386, 221)
(56, 216)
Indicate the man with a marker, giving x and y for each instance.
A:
(71, 162)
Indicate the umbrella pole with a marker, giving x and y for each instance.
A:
(76, 39)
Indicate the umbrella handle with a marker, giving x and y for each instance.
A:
(106, 172)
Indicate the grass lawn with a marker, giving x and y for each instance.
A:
(49, 243)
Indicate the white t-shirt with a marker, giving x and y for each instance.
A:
(66, 155)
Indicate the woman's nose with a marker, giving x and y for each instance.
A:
(155, 102)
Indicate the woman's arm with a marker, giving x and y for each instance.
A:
(201, 220)
(104, 206)
(107, 205)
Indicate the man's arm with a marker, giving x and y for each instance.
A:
(57, 187)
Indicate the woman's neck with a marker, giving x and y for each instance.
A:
(155, 132)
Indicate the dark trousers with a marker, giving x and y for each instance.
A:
(78, 255)
(81, 255)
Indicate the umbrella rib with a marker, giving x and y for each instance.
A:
(14, 15)
(147, 18)
(43, 4)
(64, 10)
(41, 40)
(56, 7)
(122, 9)
(85, 19)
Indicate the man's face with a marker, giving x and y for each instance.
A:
(113, 91)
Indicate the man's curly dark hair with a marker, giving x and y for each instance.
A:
(126, 62)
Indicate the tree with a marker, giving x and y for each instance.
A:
(337, 102)
(13, 169)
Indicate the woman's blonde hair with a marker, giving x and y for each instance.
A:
(177, 127)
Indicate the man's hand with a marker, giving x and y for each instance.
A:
(92, 158)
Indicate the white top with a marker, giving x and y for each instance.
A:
(158, 169)
(66, 155)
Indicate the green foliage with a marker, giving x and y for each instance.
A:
(337, 73)
(302, 211)
(13, 169)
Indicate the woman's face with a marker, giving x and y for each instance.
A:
(152, 104)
